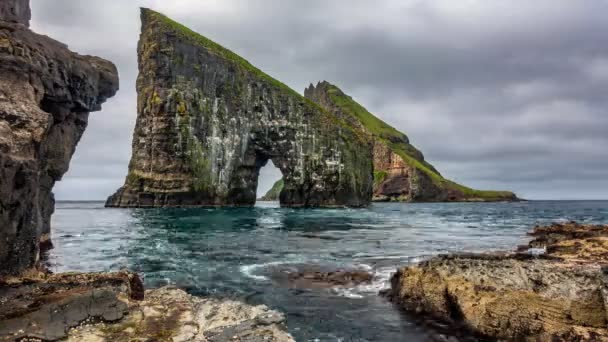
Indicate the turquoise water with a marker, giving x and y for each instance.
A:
(234, 252)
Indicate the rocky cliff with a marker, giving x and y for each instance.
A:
(208, 121)
(400, 170)
(46, 94)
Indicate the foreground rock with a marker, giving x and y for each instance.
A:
(208, 121)
(46, 94)
(46, 306)
(559, 295)
(318, 277)
(112, 307)
(400, 171)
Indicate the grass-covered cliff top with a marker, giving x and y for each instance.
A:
(399, 144)
(197, 39)
(213, 47)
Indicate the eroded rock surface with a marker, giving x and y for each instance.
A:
(560, 295)
(114, 307)
(46, 307)
(208, 121)
(170, 314)
(46, 94)
(400, 171)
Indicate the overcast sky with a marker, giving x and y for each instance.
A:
(497, 94)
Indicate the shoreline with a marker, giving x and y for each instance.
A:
(521, 295)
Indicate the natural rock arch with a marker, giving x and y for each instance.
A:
(208, 121)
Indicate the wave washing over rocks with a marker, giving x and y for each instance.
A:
(558, 295)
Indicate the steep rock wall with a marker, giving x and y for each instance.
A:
(400, 171)
(46, 93)
(208, 121)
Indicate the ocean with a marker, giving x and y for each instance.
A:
(237, 252)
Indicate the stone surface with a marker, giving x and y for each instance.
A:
(560, 295)
(113, 307)
(208, 121)
(15, 11)
(47, 306)
(400, 171)
(170, 314)
(318, 277)
(46, 94)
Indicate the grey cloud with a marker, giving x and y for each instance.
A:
(497, 94)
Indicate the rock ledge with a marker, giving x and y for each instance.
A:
(560, 294)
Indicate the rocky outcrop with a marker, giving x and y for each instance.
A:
(400, 171)
(318, 276)
(46, 94)
(170, 314)
(114, 307)
(208, 121)
(552, 290)
(46, 306)
(16, 11)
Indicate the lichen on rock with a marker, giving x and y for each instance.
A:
(208, 121)
(46, 94)
(556, 296)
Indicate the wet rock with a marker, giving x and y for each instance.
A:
(46, 94)
(317, 277)
(208, 121)
(560, 295)
(46, 306)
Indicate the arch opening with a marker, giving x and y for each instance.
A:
(270, 180)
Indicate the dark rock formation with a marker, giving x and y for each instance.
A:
(46, 94)
(318, 276)
(114, 307)
(400, 170)
(16, 11)
(208, 121)
(556, 296)
(46, 307)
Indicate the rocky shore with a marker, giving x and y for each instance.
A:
(115, 307)
(553, 289)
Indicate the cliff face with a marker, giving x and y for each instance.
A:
(400, 170)
(208, 121)
(46, 93)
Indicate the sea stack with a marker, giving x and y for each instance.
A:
(46, 94)
(400, 171)
(208, 121)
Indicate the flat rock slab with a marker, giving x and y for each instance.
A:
(46, 306)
